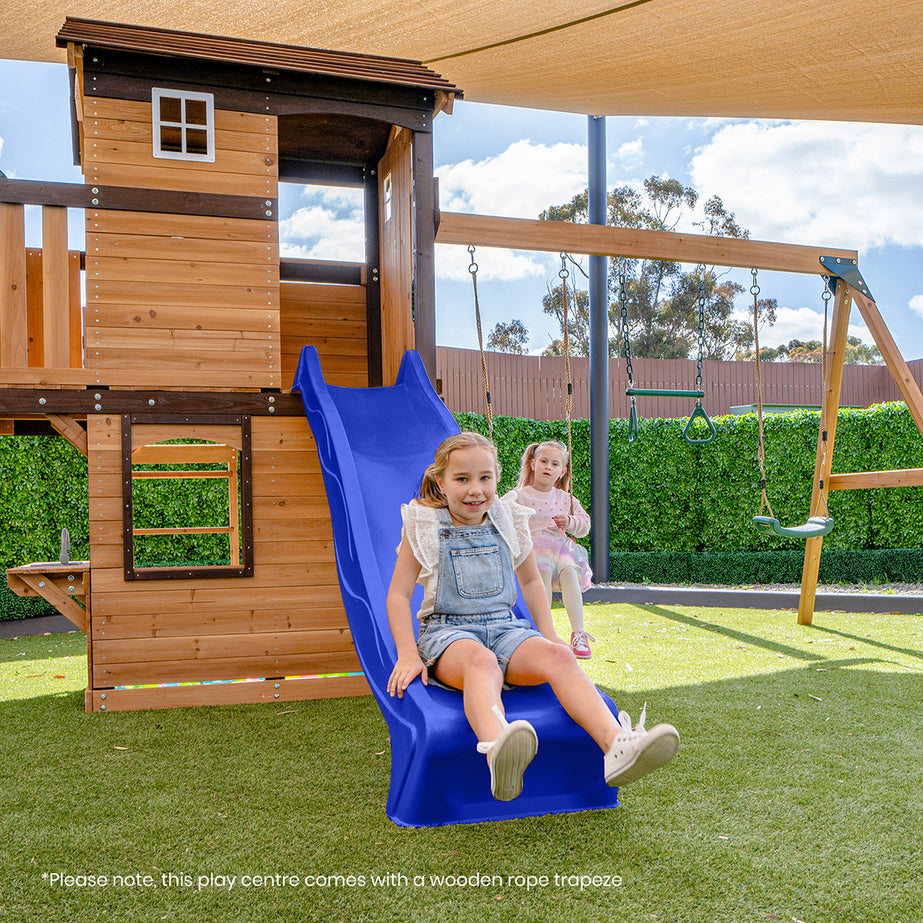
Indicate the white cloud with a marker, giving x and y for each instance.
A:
(518, 183)
(494, 264)
(799, 324)
(856, 186)
(330, 227)
(916, 304)
(630, 155)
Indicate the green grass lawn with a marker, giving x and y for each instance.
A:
(795, 796)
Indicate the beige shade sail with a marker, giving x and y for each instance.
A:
(854, 60)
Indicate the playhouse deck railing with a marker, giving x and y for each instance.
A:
(41, 323)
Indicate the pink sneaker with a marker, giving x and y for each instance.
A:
(580, 644)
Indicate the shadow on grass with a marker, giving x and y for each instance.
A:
(859, 639)
(733, 633)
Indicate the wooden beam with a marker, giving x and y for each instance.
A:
(555, 236)
(833, 384)
(903, 477)
(26, 402)
(223, 693)
(127, 198)
(903, 378)
(71, 430)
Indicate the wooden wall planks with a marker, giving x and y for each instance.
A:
(171, 294)
(286, 620)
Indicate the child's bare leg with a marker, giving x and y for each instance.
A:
(538, 660)
(473, 668)
(509, 747)
(572, 597)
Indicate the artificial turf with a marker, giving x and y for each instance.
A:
(795, 795)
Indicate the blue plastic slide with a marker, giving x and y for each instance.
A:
(374, 444)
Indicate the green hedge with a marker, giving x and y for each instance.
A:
(666, 496)
(737, 568)
(43, 489)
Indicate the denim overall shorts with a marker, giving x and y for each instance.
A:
(475, 592)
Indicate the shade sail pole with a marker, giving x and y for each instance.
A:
(599, 357)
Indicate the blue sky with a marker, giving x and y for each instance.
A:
(855, 186)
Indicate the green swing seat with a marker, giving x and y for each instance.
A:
(815, 527)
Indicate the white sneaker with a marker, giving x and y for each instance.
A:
(508, 756)
(635, 752)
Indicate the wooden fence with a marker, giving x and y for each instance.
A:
(534, 386)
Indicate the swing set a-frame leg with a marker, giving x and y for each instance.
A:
(909, 391)
(836, 359)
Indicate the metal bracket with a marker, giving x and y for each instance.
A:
(848, 271)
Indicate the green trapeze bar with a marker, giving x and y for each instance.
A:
(660, 392)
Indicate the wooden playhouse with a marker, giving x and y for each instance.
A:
(166, 348)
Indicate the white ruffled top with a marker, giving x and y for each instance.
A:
(422, 525)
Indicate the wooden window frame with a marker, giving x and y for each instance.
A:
(159, 93)
(245, 568)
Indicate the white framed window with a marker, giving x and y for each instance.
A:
(184, 125)
(387, 197)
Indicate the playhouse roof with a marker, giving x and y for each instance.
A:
(853, 60)
(151, 40)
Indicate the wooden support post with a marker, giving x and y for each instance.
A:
(55, 288)
(14, 346)
(76, 311)
(836, 359)
(906, 384)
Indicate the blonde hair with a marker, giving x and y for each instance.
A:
(429, 493)
(526, 472)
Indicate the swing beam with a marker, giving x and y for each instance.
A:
(601, 240)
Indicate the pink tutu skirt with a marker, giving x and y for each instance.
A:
(555, 552)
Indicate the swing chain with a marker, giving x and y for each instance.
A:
(698, 374)
(761, 447)
(626, 340)
(485, 381)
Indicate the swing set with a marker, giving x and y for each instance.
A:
(840, 272)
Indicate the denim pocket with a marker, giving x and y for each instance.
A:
(478, 571)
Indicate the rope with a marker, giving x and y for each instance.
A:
(569, 400)
(823, 400)
(485, 381)
(761, 448)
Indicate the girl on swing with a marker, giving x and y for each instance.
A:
(544, 486)
(464, 546)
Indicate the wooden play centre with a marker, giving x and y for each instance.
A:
(171, 342)
(166, 348)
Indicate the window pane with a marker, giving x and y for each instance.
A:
(171, 139)
(170, 109)
(196, 112)
(196, 141)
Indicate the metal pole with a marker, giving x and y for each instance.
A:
(599, 358)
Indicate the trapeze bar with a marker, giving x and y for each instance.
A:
(660, 392)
